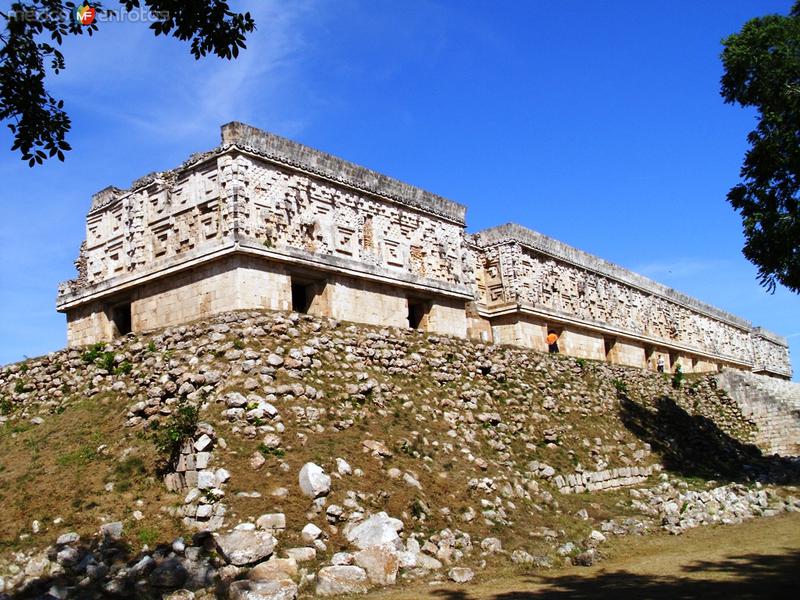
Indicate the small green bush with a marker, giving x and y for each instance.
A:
(179, 427)
(5, 406)
(20, 387)
(151, 346)
(267, 451)
(620, 386)
(93, 353)
(97, 355)
(124, 368)
(677, 377)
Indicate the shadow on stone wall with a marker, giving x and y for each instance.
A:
(694, 446)
(752, 576)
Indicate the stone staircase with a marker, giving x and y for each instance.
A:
(773, 405)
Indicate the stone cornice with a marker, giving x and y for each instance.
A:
(282, 254)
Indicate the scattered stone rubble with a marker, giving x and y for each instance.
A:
(489, 444)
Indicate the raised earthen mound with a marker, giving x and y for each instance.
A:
(349, 457)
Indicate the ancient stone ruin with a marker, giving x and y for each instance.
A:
(262, 222)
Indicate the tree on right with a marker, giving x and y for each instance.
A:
(762, 70)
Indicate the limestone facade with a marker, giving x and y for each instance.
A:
(264, 222)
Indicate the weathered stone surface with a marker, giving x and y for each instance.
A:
(301, 554)
(336, 580)
(281, 589)
(310, 533)
(272, 521)
(380, 563)
(377, 530)
(274, 568)
(314, 482)
(245, 547)
(461, 574)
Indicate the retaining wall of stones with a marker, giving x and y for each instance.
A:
(609, 479)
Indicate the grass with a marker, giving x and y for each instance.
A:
(148, 535)
(756, 559)
(56, 469)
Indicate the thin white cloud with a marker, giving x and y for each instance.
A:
(174, 97)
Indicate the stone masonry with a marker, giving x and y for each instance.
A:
(262, 222)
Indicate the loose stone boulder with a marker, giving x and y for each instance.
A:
(332, 581)
(314, 482)
(273, 569)
(461, 574)
(380, 563)
(282, 589)
(242, 547)
(377, 530)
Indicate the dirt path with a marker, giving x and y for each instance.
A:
(758, 559)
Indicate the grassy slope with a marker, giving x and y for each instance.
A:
(60, 468)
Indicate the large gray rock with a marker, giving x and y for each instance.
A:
(428, 562)
(332, 581)
(242, 547)
(274, 569)
(461, 574)
(272, 521)
(314, 482)
(380, 563)
(377, 530)
(112, 531)
(280, 589)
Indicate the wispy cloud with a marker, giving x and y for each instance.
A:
(171, 95)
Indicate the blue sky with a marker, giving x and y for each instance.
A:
(598, 123)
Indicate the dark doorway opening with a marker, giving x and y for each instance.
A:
(301, 297)
(121, 318)
(609, 344)
(417, 310)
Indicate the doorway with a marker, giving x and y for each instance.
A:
(302, 295)
(609, 344)
(417, 311)
(121, 319)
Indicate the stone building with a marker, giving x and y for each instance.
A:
(262, 222)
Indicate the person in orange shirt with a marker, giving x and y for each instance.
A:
(552, 342)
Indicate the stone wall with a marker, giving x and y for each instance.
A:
(87, 324)
(238, 226)
(773, 405)
(608, 479)
(606, 312)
